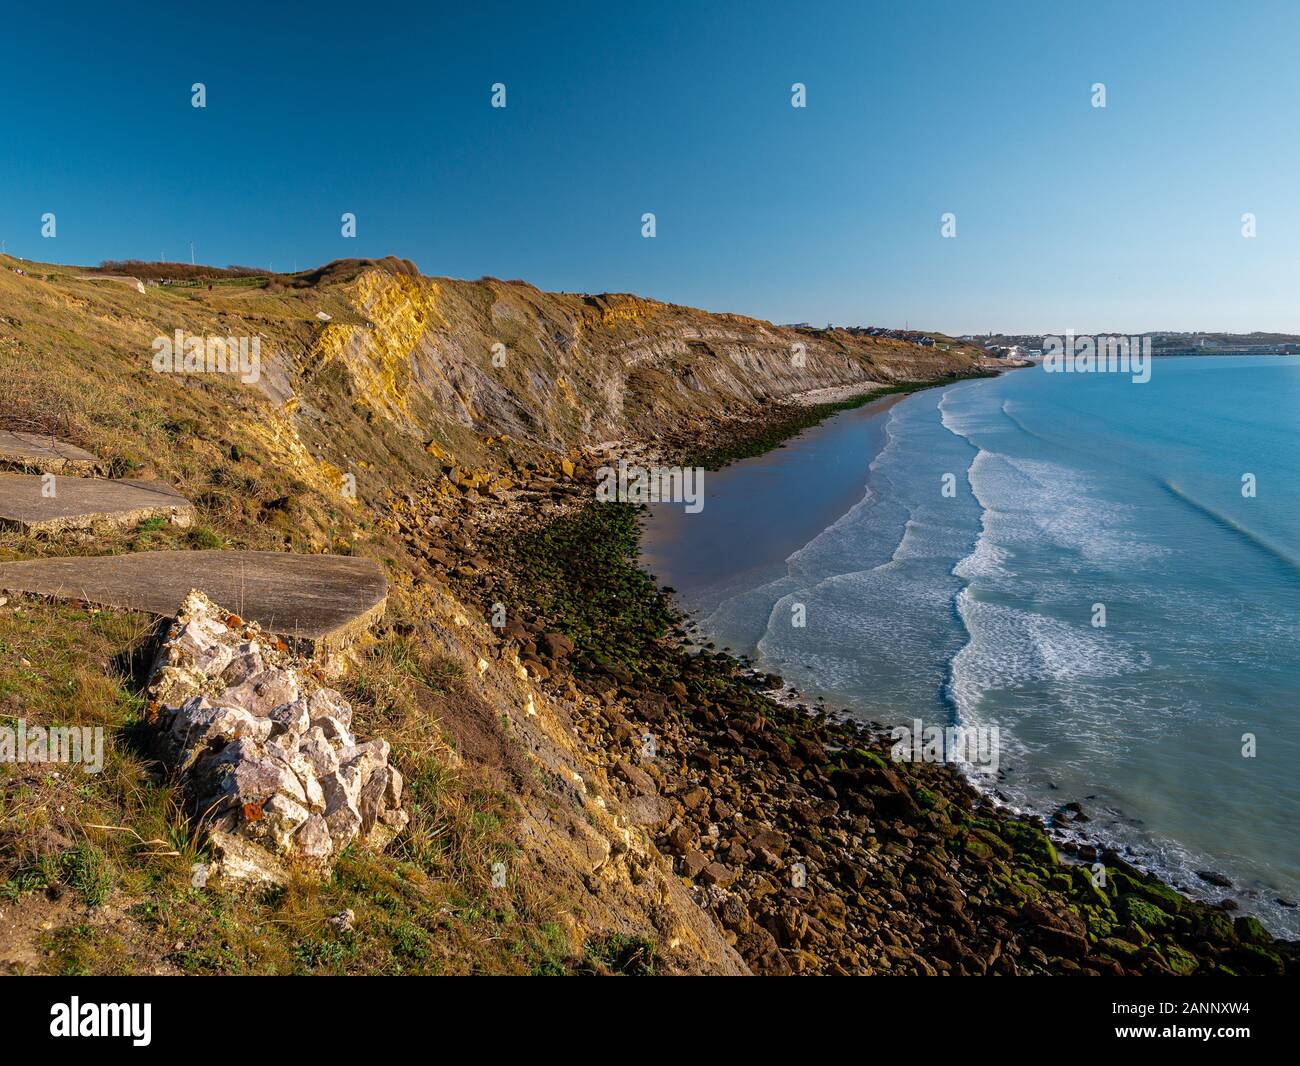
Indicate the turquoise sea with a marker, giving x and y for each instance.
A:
(1176, 724)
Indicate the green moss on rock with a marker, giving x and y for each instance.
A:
(1183, 963)
(1215, 926)
(1085, 888)
(1030, 841)
(1145, 915)
(1259, 960)
(1250, 931)
(1164, 897)
(1117, 948)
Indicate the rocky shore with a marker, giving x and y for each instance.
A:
(650, 804)
(814, 851)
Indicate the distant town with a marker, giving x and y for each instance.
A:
(1017, 347)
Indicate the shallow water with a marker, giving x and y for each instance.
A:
(978, 606)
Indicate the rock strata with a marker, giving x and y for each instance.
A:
(265, 754)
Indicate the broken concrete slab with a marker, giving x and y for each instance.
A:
(43, 503)
(41, 454)
(315, 603)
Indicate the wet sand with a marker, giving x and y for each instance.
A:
(758, 511)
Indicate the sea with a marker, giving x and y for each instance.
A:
(1102, 572)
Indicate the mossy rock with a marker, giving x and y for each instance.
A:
(1164, 897)
(1085, 888)
(1017, 893)
(1183, 963)
(1152, 961)
(1030, 841)
(1000, 846)
(1030, 875)
(1261, 961)
(1121, 883)
(1249, 930)
(1135, 933)
(1215, 926)
(1117, 948)
(1024, 888)
(977, 848)
(939, 819)
(871, 758)
(1102, 921)
(1142, 913)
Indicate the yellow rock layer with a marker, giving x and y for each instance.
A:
(401, 308)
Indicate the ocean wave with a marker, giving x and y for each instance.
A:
(978, 610)
(1232, 525)
(987, 560)
(1012, 646)
(1037, 503)
(1006, 410)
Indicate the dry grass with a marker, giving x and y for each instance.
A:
(119, 839)
(120, 896)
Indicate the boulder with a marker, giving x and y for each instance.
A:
(647, 810)
(693, 862)
(556, 645)
(265, 755)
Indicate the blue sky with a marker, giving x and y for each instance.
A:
(1068, 216)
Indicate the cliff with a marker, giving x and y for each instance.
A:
(403, 419)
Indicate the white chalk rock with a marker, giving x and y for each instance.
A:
(266, 756)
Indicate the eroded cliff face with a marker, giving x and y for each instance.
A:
(560, 370)
(363, 367)
(389, 408)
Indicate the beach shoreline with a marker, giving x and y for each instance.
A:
(1083, 845)
(813, 849)
(668, 520)
(794, 828)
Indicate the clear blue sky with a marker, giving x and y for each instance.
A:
(1126, 218)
